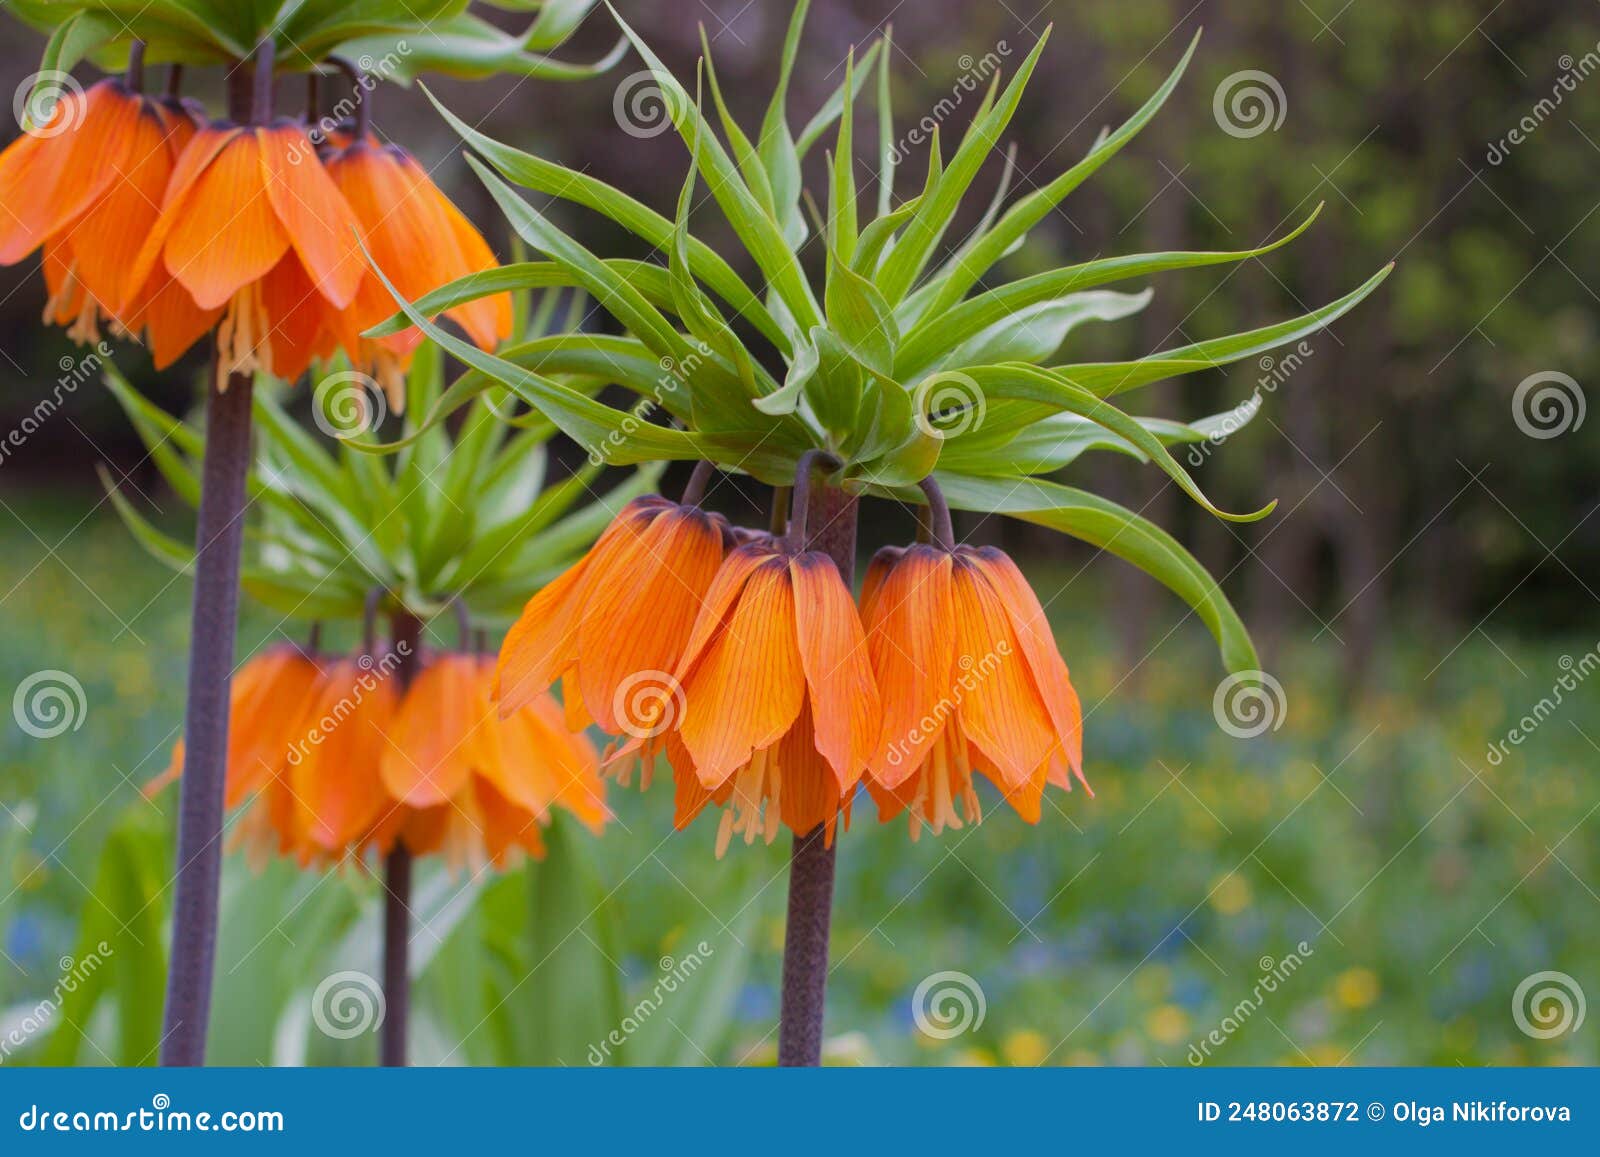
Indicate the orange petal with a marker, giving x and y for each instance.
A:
(313, 213)
(191, 165)
(833, 650)
(226, 235)
(911, 639)
(336, 782)
(1000, 708)
(637, 620)
(745, 692)
(719, 602)
(442, 734)
(810, 790)
(295, 314)
(107, 237)
(1038, 645)
(51, 175)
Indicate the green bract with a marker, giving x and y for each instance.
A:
(470, 516)
(889, 360)
(409, 36)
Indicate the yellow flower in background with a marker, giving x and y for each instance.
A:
(1231, 894)
(1025, 1048)
(1356, 988)
(1169, 1024)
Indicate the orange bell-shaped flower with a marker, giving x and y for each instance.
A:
(780, 705)
(615, 625)
(971, 680)
(253, 227)
(473, 785)
(421, 241)
(88, 185)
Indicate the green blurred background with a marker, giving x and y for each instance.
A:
(1428, 580)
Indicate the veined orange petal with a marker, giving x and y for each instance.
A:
(911, 640)
(488, 319)
(107, 236)
(542, 644)
(191, 165)
(51, 175)
(1038, 645)
(272, 696)
(843, 694)
(1000, 709)
(227, 234)
(313, 213)
(637, 620)
(170, 319)
(810, 793)
(747, 688)
(295, 314)
(718, 605)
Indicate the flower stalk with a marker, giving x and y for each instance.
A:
(219, 543)
(822, 518)
(406, 637)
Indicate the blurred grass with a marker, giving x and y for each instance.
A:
(1122, 929)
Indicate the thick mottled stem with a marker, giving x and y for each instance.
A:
(214, 621)
(825, 520)
(406, 634)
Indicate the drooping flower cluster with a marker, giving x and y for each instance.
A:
(164, 226)
(330, 759)
(748, 665)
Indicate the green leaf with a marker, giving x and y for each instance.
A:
(1057, 441)
(903, 266)
(120, 952)
(1035, 332)
(755, 227)
(1029, 383)
(946, 328)
(555, 180)
(571, 998)
(1108, 379)
(1035, 207)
